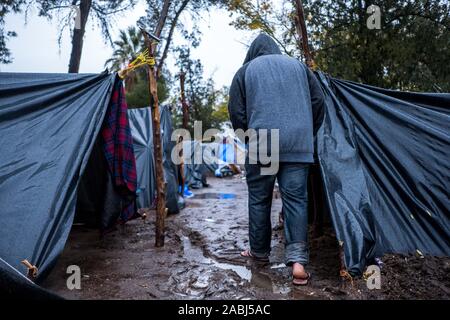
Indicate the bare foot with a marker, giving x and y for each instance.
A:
(247, 253)
(299, 275)
(298, 270)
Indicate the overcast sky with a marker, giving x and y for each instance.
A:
(35, 49)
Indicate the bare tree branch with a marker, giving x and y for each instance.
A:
(170, 35)
(162, 18)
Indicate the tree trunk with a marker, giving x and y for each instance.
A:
(77, 38)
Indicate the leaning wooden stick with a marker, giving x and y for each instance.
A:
(184, 105)
(181, 165)
(303, 34)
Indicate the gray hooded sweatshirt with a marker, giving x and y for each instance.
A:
(274, 91)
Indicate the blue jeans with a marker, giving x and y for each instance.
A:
(292, 180)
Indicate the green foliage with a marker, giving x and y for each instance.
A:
(130, 43)
(205, 103)
(139, 96)
(220, 114)
(6, 7)
(212, 110)
(410, 52)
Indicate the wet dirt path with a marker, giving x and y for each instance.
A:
(200, 259)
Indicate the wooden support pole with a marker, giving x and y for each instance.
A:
(161, 210)
(317, 190)
(314, 175)
(184, 105)
(303, 34)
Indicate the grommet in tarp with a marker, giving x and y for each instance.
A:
(32, 269)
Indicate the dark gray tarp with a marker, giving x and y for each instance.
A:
(142, 132)
(98, 203)
(141, 129)
(170, 169)
(195, 174)
(15, 285)
(384, 158)
(48, 127)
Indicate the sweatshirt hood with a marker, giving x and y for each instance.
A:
(262, 45)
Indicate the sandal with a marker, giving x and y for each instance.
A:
(248, 254)
(301, 281)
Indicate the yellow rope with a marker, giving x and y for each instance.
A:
(366, 275)
(345, 275)
(143, 58)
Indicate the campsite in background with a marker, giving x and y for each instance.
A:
(93, 204)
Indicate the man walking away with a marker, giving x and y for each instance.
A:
(274, 91)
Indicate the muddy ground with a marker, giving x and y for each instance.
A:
(200, 260)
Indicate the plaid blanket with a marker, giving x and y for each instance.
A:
(118, 150)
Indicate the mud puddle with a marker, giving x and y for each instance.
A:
(257, 275)
(195, 254)
(201, 260)
(215, 195)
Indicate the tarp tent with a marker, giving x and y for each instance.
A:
(230, 153)
(384, 158)
(199, 159)
(383, 155)
(49, 125)
(141, 129)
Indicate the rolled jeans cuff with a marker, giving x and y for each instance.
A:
(296, 252)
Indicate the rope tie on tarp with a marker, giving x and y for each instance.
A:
(345, 275)
(32, 269)
(367, 274)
